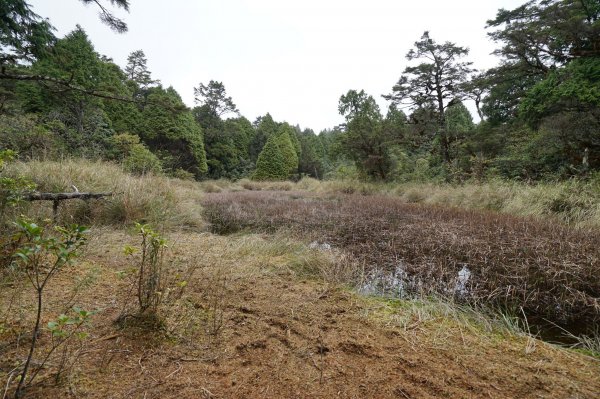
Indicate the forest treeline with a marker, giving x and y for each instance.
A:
(538, 110)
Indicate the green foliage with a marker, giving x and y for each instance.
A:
(150, 288)
(537, 38)
(64, 324)
(286, 147)
(435, 83)
(295, 140)
(122, 144)
(137, 71)
(575, 87)
(312, 154)
(108, 18)
(214, 97)
(224, 158)
(40, 257)
(543, 34)
(265, 128)
(271, 163)
(507, 85)
(11, 188)
(24, 35)
(170, 127)
(140, 160)
(135, 156)
(84, 117)
(29, 138)
(226, 142)
(43, 255)
(365, 140)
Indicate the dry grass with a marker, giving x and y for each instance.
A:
(249, 325)
(164, 202)
(549, 269)
(573, 202)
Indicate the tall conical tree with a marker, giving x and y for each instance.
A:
(287, 148)
(271, 164)
(278, 159)
(265, 128)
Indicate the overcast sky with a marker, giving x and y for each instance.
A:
(292, 58)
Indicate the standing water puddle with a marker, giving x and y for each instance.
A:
(398, 284)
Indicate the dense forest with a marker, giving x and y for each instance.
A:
(539, 114)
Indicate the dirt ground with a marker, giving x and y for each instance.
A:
(249, 327)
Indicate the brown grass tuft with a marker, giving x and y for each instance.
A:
(162, 201)
(547, 268)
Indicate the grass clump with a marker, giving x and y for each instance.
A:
(147, 198)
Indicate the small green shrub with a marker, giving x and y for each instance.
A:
(40, 257)
(150, 274)
(183, 175)
(142, 161)
(122, 144)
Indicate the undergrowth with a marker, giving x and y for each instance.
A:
(574, 202)
(159, 200)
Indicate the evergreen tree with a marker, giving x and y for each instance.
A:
(226, 143)
(438, 82)
(137, 71)
(459, 122)
(271, 163)
(265, 128)
(107, 17)
(169, 128)
(537, 38)
(241, 133)
(365, 141)
(278, 159)
(84, 116)
(287, 148)
(312, 155)
(214, 97)
(565, 107)
(24, 35)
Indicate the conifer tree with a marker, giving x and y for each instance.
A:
(287, 148)
(265, 128)
(173, 131)
(278, 159)
(271, 164)
(137, 70)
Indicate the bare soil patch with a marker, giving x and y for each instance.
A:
(252, 329)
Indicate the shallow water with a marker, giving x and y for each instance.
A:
(399, 285)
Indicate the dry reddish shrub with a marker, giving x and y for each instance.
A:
(547, 268)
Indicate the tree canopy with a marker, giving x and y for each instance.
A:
(436, 82)
(536, 111)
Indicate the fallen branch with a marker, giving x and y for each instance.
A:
(63, 196)
(57, 197)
